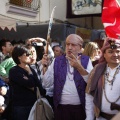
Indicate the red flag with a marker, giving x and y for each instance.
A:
(111, 18)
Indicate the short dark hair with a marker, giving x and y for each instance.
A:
(53, 48)
(18, 51)
(3, 43)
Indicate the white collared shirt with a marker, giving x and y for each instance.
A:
(112, 95)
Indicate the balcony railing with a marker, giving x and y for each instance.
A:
(23, 7)
(33, 4)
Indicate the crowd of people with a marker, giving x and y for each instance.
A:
(79, 83)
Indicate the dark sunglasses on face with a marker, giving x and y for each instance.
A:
(27, 54)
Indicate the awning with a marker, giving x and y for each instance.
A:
(6, 22)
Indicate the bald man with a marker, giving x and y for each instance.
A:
(67, 76)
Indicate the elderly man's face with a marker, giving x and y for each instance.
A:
(112, 56)
(73, 46)
(57, 51)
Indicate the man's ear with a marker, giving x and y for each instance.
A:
(3, 47)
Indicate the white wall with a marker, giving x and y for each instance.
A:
(60, 13)
(43, 16)
(44, 10)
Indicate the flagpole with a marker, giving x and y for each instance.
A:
(48, 36)
(49, 30)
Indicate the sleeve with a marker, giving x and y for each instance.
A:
(41, 69)
(50, 51)
(89, 107)
(4, 65)
(48, 77)
(89, 69)
(38, 83)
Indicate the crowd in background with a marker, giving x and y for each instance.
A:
(61, 76)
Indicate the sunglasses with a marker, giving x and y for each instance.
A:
(27, 54)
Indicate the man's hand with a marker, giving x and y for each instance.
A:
(74, 62)
(45, 60)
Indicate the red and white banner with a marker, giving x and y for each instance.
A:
(111, 18)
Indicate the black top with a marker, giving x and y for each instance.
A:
(21, 83)
(95, 62)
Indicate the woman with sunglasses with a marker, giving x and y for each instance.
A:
(24, 82)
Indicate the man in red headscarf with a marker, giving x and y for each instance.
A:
(103, 88)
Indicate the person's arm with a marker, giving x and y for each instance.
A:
(22, 78)
(89, 98)
(5, 67)
(75, 62)
(38, 39)
(39, 63)
(45, 63)
(38, 83)
(88, 69)
(89, 107)
(48, 77)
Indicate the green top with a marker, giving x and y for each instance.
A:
(5, 66)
